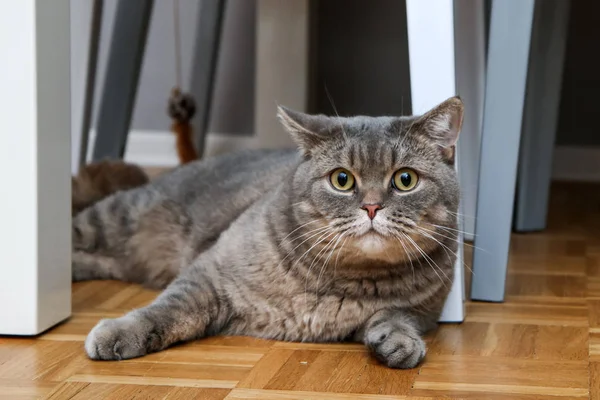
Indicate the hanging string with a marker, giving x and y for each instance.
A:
(182, 106)
(177, 32)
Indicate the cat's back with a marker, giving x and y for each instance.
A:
(217, 189)
(238, 168)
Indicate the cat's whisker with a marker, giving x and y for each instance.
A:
(428, 259)
(319, 232)
(300, 227)
(402, 139)
(322, 252)
(334, 240)
(323, 236)
(319, 240)
(304, 241)
(453, 235)
(452, 238)
(336, 112)
(423, 232)
(298, 203)
(339, 237)
(452, 229)
(410, 257)
(404, 235)
(455, 238)
(335, 226)
(321, 229)
(337, 257)
(313, 262)
(445, 247)
(457, 214)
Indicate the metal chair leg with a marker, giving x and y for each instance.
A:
(508, 57)
(206, 53)
(127, 47)
(90, 83)
(540, 119)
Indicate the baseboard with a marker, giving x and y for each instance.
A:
(157, 148)
(574, 163)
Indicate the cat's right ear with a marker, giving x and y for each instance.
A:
(309, 132)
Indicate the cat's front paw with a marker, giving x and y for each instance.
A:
(396, 346)
(120, 339)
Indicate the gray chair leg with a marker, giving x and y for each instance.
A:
(127, 47)
(540, 120)
(470, 47)
(90, 82)
(509, 38)
(210, 21)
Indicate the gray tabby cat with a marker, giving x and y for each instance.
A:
(353, 237)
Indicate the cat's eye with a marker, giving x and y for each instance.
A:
(342, 179)
(405, 179)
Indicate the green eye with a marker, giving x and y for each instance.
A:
(342, 179)
(405, 179)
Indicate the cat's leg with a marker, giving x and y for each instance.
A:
(191, 307)
(394, 338)
(87, 267)
(136, 236)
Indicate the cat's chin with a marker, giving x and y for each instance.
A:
(373, 245)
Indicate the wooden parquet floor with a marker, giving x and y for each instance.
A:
(542, 343)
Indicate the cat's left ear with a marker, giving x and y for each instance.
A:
(442, 124)
(309, 132)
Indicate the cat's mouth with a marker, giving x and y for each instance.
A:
(370, 228)
(372, 241)
(372, 235)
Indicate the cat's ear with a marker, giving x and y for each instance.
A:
(442, 124)
(308, 131)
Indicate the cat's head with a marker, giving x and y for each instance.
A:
(385, 186)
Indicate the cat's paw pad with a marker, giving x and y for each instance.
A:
(397, 347)
(117, 339)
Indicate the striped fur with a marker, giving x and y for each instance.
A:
(259, 243)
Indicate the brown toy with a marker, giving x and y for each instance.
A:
(98, 180)
(181, 110)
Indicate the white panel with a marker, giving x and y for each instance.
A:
(35, 288)
(431, 52)
(281, 66)
(18, 252)
(432, 79)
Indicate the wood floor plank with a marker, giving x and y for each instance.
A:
(66, 390)
(594, 374)
(501, 378)
(102, 391)
(23, 389)
(258, 394)
(483, 389)
(154, 381)
(184, 393)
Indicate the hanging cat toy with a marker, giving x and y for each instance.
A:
(182, 106)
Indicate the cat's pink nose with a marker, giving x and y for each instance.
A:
(371, 209)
